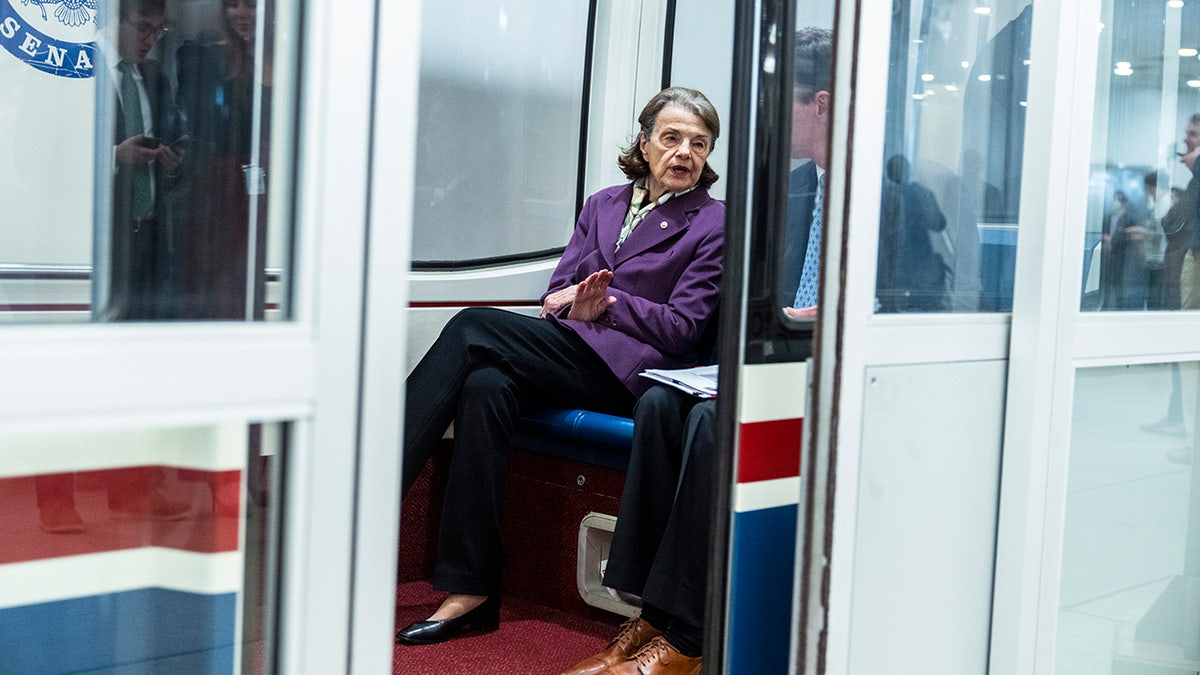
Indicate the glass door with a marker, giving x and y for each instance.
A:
(195, 397)
(1003, 413)
(905, 443)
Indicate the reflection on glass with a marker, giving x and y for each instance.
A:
(1141, 197)
(952, 151)
(1130, 577)
(223, 223)
(498, 129)
(158, 541)
(811, 103)
(183, 93)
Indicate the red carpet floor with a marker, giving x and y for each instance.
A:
(531, 639)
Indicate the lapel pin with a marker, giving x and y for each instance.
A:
(663, 225)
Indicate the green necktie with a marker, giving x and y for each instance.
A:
(142, 201)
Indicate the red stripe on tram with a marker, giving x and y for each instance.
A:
(769, 450)
(76, 513)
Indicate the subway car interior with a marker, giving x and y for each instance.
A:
(940, 259)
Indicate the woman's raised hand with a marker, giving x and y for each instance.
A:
(591, 297)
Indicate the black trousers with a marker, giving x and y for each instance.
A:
(484, 369)
(142, 284)
(659, 548)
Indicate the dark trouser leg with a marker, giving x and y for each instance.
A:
(679, 574)
(646, 501)
(483, 366)
(488, 408)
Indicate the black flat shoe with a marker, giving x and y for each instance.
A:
(484, 618)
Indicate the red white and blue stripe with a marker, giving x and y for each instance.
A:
(766, 506)
(123, 594)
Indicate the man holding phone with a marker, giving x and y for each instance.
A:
(141, 281)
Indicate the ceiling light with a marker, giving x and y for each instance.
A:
(985, 78)
(1123, 72)
(951, 87)
(927, 77)
(1194, 84)
(965, 64)
(1124, 65)
(1188, 51)
(1175, 4)
(983, 11)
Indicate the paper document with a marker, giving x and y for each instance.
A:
(700, 382)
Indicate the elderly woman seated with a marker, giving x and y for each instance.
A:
(635, 288)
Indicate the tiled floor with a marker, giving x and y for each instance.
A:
(1126, 518)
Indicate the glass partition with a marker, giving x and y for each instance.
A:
(1130, 578)
(952, 155)
(156, 206)
(1146, 135)
(152, 549)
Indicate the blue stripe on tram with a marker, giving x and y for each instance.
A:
(150, 630)
(764, 563)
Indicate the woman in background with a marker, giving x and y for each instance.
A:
(217, 87)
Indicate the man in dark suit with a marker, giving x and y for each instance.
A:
(806, 185)
(146, 169)
(665, 504)
(148, 157)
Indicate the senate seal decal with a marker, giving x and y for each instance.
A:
(54, 36)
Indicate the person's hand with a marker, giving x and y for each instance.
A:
(132, 151)
(557, 300)
(170, 158)
(801, 312)
(1190, 158)
(591, 297)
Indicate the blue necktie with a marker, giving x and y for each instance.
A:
(806, 292)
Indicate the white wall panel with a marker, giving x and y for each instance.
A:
(927, 499)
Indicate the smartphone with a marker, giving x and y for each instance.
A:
(149, 142)
(182, 143)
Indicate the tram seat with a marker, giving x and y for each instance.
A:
(579, 435)
(591, 437)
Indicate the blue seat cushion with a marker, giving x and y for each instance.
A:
(579, 435)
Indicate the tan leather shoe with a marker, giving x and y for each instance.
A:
(657, 657)
(634, 633)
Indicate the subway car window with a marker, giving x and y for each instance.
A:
(808, 110)
(952, 156)
(152, 547)
(1141, 234)
(1130, 543)
(498, 130)
(160, 211)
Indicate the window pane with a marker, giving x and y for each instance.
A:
(143, 549)
(952, 154)
(1141, 199)
(1130, 578)
(156, 206)
(498, 130)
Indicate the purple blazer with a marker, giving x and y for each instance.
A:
(666, 279)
